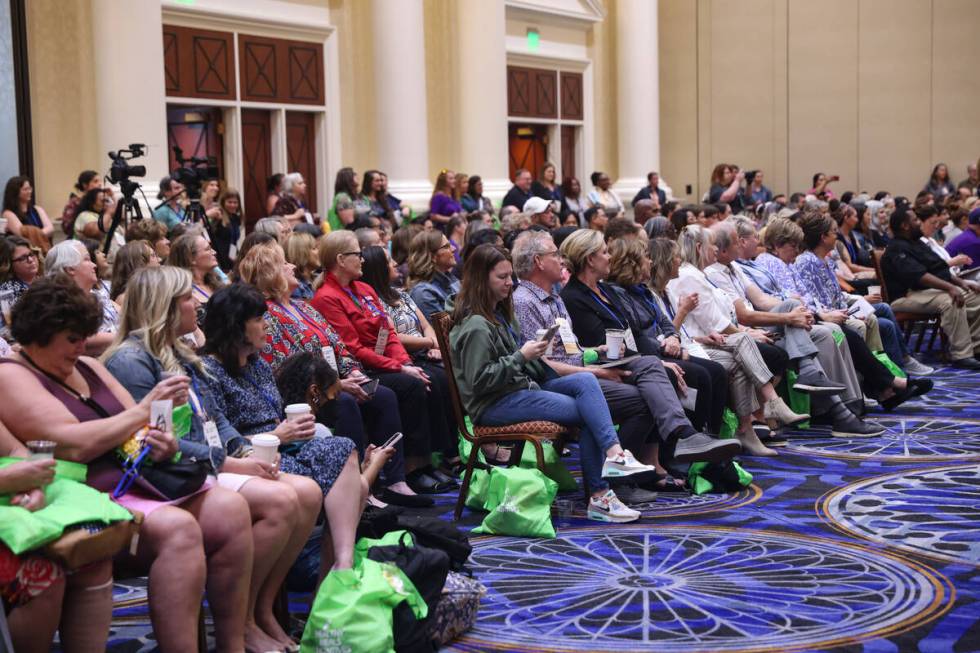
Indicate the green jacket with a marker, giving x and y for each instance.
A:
(488, 365)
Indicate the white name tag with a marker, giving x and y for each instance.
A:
(211, 434)
(690, 400)
(379, 346)
(630, 340)
(568, 339)
(330, 357)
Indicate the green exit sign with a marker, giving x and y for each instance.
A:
(533, 39)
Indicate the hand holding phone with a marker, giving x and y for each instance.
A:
(370, 386)
(550, 335)
(393, 440)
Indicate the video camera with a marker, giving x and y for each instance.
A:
(193, 172)
(120, 171)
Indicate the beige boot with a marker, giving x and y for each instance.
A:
(752, 445)
(777, 409)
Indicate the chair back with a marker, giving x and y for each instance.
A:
(876, 257)
(442, 322)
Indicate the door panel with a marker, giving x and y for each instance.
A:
(301, 151)
(257, 162)
(528, 147)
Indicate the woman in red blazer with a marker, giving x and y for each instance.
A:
(354, 310)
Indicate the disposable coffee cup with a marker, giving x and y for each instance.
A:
(614, 343)
(874, 290)
(541, 333)
(41, 449)
(265, 446)
(295, 411)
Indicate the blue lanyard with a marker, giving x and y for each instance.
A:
(265, 395)
(352, 297)
(670, 312)
(299, 317)
(623, 324)
(509, 328)
(202, 415)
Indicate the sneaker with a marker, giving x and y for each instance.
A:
(817, 383)
(632, 495)
(609, 508)
(624, 465)
(852, 427)
(914, 367)
(699, 447)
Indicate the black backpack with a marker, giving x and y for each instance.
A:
(439, 534)
(427, 569)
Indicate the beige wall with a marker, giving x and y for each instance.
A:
(441, 77)
(601, 43)
(875, 91)
(63, 117)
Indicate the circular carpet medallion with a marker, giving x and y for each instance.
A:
(932, 512)
(678, 504)
(908, 439)
(692, 588)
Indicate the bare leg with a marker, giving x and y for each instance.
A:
(274, 507)
(343, 504)
(87, 611)
(226, 530)
(310, 500)
(32, 626)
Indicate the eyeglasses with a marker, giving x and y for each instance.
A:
(357, 254)
(445, 246)
(553, 252)
(25, 257)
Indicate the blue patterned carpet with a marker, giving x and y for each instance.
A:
(866, 545)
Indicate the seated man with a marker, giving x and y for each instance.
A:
(919, 281)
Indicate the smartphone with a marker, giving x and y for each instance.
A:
(548, 337)
(393, 440)
(370, 386)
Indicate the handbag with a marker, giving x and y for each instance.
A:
(84, 544)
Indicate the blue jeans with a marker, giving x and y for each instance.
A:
(891, 336)
(573, 400)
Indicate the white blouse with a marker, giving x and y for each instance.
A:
(715, 311)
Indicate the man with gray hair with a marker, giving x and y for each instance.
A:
(633, 396)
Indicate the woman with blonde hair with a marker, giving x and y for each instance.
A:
(301, 250)
(430, 264)
(159, 309)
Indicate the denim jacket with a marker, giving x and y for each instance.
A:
(431, 296)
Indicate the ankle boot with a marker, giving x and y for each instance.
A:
(777, 409)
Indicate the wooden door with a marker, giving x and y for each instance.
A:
(568, 151)
(301, 151)
(528, 147)
(198, 132)
(257, 163)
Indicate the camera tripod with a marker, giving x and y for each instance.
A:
(127, 210)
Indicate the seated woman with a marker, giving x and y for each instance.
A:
(53, 392)
(72, 258)
(20, 265)
(131, 257)
(245, 391)
(430, 263)
(194, 253)
(704, 326)
(301, 251)
(595, 308)
(152, 232)
(354, 309)
(500, 384)
(292, 327)
(159, 310)
(42, 597)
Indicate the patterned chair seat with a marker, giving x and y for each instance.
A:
(535, 427)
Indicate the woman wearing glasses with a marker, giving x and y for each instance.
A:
(430, 264)
(20, 265)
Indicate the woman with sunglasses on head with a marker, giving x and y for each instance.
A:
(354, 309)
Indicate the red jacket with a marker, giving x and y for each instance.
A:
(357, 315)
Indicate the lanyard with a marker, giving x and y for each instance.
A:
(623, 324)
(265, 395)
(203, 292)
(670, 312)
(648, 301)
(509, 328)
(352, 297)
(851, 249)
(196, 406)
(299, 317)
(738, 282)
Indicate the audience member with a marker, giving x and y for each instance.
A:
(23, 217)
(131, 257)
(292, 201)
(71, 258)
(972, 180)
(152, 232)
(520, 192)
(194, 253)
(540, 212)
(87, 180)
(546, 185)
(602, 195)
(572, 204)
(651, 191)
(967, 244)
(20, 265)
(755, 190)
(301, 251)
(430, 263)
(474, 199)
(443, 204)
(226, 228)
(169, 212)
(455, 231)
(726, 187)
(347, 200)
(643, 210)
(596, 218)
(273, 191)
(940, 186)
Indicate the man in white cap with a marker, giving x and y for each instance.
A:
(540, 211)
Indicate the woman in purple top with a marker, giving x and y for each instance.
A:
(442, 206)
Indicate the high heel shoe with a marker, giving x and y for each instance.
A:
(752, 446)
(777, 409)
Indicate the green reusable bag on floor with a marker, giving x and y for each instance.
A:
(729, 424)
(798, 402)
(700, 484)
(68, 502)
(519, 501)
(884, 359)
(476, 495)
(391, 538)
(554, 468)
(352, 609)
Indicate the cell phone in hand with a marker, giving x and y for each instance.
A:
(393, 440)
(550, 335)
(370, 386)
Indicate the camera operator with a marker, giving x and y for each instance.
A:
(170, 213)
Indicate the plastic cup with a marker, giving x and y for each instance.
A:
(41, 449)
(563, 512)
(265, 446)
(295, 411)
(614, 343)
(541, 333)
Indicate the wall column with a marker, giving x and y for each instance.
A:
(482, 93)
(131, 103)
(399, 76)
(638, 94)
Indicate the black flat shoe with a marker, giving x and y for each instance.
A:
(920, 386)
(441, 476)
(422, 483)
(897, 399)
(393, 498)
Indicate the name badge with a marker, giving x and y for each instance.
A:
(379, 346)
(330, 357)
(630, 340)
(211, 434)
(568, 339)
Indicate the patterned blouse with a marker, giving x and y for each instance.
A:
(817, 283)
(783, 272)
(110, 314)
(302, 328)
(403, 315)
(10, 292)
(250, 401)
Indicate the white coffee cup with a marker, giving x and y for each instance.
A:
(265, 446)
(295, 411)
(614, 343)
(541, 333)
(874, 290)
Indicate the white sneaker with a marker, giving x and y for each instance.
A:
(916, 368)
(609, 508)
(623, 465)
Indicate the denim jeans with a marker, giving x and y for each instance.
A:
(891, 337)
(573, 400)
